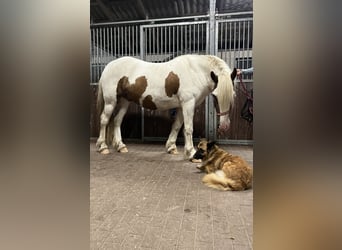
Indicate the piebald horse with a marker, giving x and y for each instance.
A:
(182, 83)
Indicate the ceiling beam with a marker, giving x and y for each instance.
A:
(106, 9)
(181, 7)
(142, 10)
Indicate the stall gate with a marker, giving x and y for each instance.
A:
(161, 42)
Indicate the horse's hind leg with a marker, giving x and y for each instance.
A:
(117, 140)
(105, 116)
(176, 126)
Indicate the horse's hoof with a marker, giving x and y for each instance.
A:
(123, 150)
(173, 151)
(104, 151)
(196, 160)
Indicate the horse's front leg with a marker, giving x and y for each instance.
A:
(188, 114)
(117, 139)
(176, 126)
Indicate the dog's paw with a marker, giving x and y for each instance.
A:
(196, 160)
(200, 167)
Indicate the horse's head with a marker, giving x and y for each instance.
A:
(224, 96)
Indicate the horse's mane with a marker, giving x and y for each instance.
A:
(224, 90)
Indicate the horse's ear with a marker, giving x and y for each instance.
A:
(233, 74)
(214, 78)
(210, 145)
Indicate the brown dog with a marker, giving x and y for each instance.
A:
(224, 171)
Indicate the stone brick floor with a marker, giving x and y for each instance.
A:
(148, 199)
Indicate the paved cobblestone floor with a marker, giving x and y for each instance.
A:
(148, 199)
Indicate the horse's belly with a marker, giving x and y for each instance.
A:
(152, 103)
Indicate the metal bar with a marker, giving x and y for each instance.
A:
(211, 35)
(142, 43)
(153, 39)
(163, 40)
(150, 20)
(181, 38)
(172, 19)
(243, 43)
(234, 14)
(173, 41)
(122, 41)
(157, 42)
(173, 24)
(198, 38)
(225, 42)
(177, 29)
(129, 41)
(91, 55)
(97, 54)
(115, 37)
(136, 42)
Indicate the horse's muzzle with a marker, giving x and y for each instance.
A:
(223, 128)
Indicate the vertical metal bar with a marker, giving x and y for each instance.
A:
(107, 45)
(114, 48)
(142, 42)
(207, 39)
(249, 47)
(211, 35)
(122, 41)
(230, 44)
(153, 43)
(243, 43)
(119, 42)
(133, 41)
(234, 40)
(220, 26)
(91, 55)
(177, 32)
(225, 41)
(136, 41)
(194, 38)
(239, 41)
(165, 39)
(142, 56)
(173, 41)
(190, 41)
(149, 41)
(111, 43)
(97, 54)
(125, 45)
(198, 38)
(185, 39)
(181, 39)
(129, 41)
(169, 41)
(161, 43)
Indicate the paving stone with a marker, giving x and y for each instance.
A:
(148, 199)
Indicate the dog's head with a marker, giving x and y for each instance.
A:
(203, 149)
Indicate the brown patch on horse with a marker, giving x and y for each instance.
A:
(171, 84)
(148, 103)
(132, 92)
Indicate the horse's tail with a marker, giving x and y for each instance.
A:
(100, 100)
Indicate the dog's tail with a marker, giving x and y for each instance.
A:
(219, 181)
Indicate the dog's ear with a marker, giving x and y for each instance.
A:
(210, 145)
